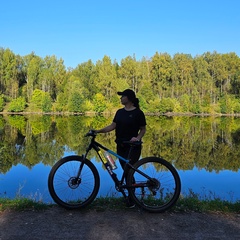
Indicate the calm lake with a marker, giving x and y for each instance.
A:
(204, 150)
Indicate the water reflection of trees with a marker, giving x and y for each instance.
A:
(187, 142)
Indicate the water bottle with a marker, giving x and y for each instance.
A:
(110, 160)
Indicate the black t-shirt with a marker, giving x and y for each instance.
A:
(128, 123)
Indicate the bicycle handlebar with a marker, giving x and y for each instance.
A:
(93, 133)
(135, 143)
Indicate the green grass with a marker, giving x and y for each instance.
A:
(206, 205)
(184, 204)
(20, 204)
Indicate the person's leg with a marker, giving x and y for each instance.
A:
(135, 155)
(123, 151)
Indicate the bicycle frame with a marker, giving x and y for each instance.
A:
(152, 183)
(118, 183)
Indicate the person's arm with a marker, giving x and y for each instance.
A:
(140, 134)
(106, 129)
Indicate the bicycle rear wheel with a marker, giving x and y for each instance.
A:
(70, 191)
(158, 193)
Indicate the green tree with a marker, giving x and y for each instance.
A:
(206, 79)
(229, 104)
(33, 71)
(17, 105)
(232, 62)
(75, 102)
(9, 72)
(106, 78)
(166, 105)
(46, 103)
(1, 102)
(46, 79)
(185, 102)
(130, 71)
(161, 69)
(59, 80)
(40, 101)
(202, 81)
(99, 103)
(218, 73)
(86, 73)
(183, 74)
(61, 103)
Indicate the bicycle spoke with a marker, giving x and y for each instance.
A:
(69, 190)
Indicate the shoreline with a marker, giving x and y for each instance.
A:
(183, 204)
(168, 114)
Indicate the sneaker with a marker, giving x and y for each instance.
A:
(130, 203)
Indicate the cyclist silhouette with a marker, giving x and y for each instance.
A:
(129, 124)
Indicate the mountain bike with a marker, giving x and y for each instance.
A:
(152, 182)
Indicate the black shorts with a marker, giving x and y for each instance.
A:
(123, 150)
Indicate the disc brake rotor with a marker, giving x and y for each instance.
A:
(74, 182)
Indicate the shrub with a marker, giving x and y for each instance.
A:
(41, 101)
(99, 103)
(75, 102)
(166, 105)
(17, 105)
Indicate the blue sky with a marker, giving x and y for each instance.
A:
(77, 30)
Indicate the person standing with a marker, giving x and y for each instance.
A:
(129, 124)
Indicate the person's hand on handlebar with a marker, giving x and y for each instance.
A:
(91, 133)
(134, 139)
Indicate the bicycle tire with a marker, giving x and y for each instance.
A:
(157, 197)
(68, 192)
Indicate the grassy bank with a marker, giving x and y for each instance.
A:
(184, 204)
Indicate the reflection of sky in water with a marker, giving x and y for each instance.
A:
(223, 185)
(33, 183)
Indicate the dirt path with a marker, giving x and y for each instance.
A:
(57, 223)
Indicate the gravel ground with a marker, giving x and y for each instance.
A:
(58, 223)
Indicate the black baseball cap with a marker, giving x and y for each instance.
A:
(129, 93)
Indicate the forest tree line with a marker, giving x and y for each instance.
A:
(207, 83)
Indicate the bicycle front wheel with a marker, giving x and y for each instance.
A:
(155, 184)
(70, 190)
